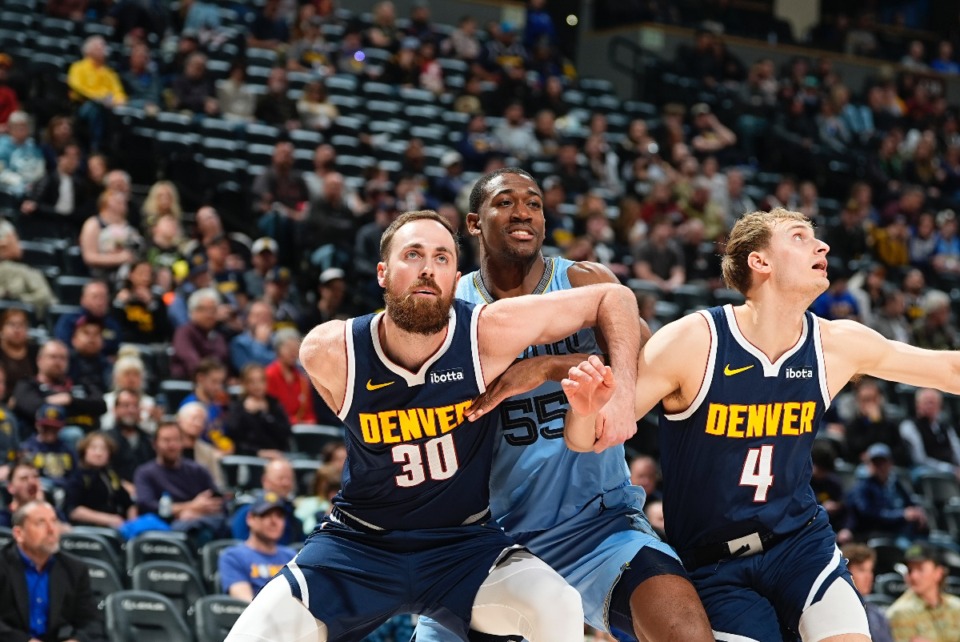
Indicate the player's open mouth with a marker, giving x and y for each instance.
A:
(820, 265)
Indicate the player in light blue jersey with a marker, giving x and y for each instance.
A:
(577, 511)
(740, 391)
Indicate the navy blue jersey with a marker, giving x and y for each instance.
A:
(746, 437)
(413, 461)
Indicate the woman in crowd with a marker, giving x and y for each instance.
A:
(140, 307)
(163, 199)
(94, 492)
(128, 374)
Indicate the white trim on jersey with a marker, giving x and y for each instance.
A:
(301, 582)
(769, 369)
(475, 346)
(351, 371)
(707, 375)
(412, 378)
(821, 362)
(824, 574)
(731, 637)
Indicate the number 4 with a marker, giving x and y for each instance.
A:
(758, 471)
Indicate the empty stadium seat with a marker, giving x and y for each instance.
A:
(890, 584)
(144, 616)
(174, 392)
(176, 581)
(155, 546)
(91, 546)
(210, 558)
(311, 438)
(242, 472)
(104, 580)
(215, 615)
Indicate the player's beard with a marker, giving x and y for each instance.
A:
(415, 314)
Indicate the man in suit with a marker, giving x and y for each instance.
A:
(46, 595)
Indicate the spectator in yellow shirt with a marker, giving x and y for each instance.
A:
(96, 87)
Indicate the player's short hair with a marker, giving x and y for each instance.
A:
(409, 217)
(858, 553)
(750, 234)
(479, 191)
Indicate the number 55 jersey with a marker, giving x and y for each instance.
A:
(413, 460)
(749, 431)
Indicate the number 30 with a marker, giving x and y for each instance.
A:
(441, 456)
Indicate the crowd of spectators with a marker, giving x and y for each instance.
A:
(172, 282)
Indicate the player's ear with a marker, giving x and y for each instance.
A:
(758, 262)
(473, 224)
(382, 274)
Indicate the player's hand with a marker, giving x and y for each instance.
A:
(522, 376)
(589, 386)
(620, 423)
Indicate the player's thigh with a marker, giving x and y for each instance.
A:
(429, 630)
(737, 612)
(523, 595)
(275, 614)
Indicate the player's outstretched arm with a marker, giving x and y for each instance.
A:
(323, 354)
(852, 349)
(671, 365)
(508, 326)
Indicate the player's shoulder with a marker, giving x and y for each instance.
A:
(583, 273)
(689, 333)
(323, 339)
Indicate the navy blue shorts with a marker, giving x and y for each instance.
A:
(354, 581)
(761, 597)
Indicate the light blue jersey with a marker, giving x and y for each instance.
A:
(576, 511)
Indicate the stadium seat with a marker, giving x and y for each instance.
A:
(104, 580)
(305, 473)
(154, 546)
(889, 554)
(91, 546)
(176, 581)
(951, 518)
(144, 616)
(109, 534)
(311, 438)
(69, 287)
(209, 559)
(879, 599)
(174, 391)
(938, 487)
(242, 472)
(722, 296)
(215, 615)
(890, 584)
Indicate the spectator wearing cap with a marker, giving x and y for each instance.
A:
(860, 562)
(50, 455)
(198, 338)
(287, 382)
(88, 365)
(9, 101)
(879, 505)
(277, 293)
(94, 303)
(21, 162)
(925, 611)
(96, 87)
(263, 257)
(52, 386)
(45, 595)
(708, 136)
(246, 568)
(277, 479)
(255, 344)
(933, 444)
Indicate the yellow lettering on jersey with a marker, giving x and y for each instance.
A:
(411, 424)
(756, 420)
(806, 416)
(388, 423)
(369, 428)
(738, 421)
(428, 420)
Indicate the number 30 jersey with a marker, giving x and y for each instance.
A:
(413, 460)
(737, 461)
(537, 482)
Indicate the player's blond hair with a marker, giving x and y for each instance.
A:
(750, 234)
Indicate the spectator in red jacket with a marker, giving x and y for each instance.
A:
(287, 382)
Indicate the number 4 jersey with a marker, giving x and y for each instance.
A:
(413, 460)
(737, 461)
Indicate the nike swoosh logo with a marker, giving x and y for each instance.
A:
(727, 371)
(376, 386)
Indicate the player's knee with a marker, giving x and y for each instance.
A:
(554, 613)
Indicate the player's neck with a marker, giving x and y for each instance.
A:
(504, 278)
(408, 350)
(772, 326)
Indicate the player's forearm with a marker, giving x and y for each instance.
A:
(579, 432)
(619, 322)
